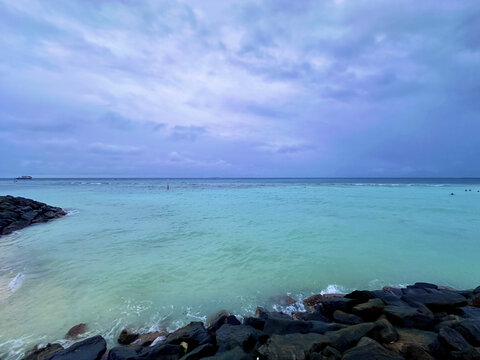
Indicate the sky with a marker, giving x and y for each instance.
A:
(276, 88)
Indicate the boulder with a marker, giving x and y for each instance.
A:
(148, 338)
(426, 340)
(254, 322)
(360, 295)
(423, 285)
(453, 340)
(437, 300)
(282, 300)
(231, 336)
(283, 326)
(89, 349)
(313, 300)
(370, 310)
(368, 349)
(331, 304)
(408, 316)
(316, 314)
(345, 318)
(348, 337)
(470, 330)
(388, 297)
(126, 337)
(194, 334)
(234, 354)
(201, 352)
(76, 330)
(384, 332)
(415, 352)
(263, 314)
(217, 321)
(42, 352)
(291, 346)
(163, 352)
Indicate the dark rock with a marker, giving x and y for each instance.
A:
(194, 334)
(470, 312)
(43, 352)
(321, 327)
(89, 349)
(368, 349)
(470, 330)
(231, 336)
(291, 346)
(234, 354)
(125, 353)
(360, 295)
(415, 352)
(370, 310)
(127, 337)
(148, 338)
(163, 352)
(423, 285)
(408, 316)
(388, 297)
(217, 321)
(232, 320)
(437, 300)
(282, 300)
(254, 322)
(283, 326)
(426, 340)
(308, 316)
(345, 318)
(331, 353)
(332, 304)
(470, 354)
(384, 332)
(263, 314)
(453, 340)
(76, 330)
(346, 338)
(17, 213)
(201, 352)
(394, 291)
(474, 300)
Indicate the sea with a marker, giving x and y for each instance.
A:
(155, 254)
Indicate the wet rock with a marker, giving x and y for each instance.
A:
(330, 353)
(423, 285)
(291, 346)
(426, 340)
(388, 297)
(76, 330)
(317, 315)
(415, 352)
(384, 332)
(368, 349)
(470, 312)
(18, 212)
(125, 353)
(231, 336)
(148, 338)
(470, 354)
(254, 322)
(127, 337)
(370, 310)
(346, 338)
(453, 340)
(234, 354)
(217, 321)
(332, 304)
(283, 326)
(262, 313)
(282, 300)
(321, 327)
(345, 318)
(194, 334)
(89, 349)
(43, 352)
(360, 295)
(408, 316)
(470, 330)
(163, 352)
(313, 300)
(201, 352)
(437, 300)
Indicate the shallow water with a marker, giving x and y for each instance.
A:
(131, 253)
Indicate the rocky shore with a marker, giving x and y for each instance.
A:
(18, 212)
(422, 321)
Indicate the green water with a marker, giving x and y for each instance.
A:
(131, 253)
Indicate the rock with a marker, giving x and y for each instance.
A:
(43, 352)
(423, 285)
(346, 338)
(194, 334)
(76, 330)
(282, 300)
(437, 300)
(360, 295)
(127, 337)
(232, 320)
(470, 312)
(384, 332)
(313, 300)
(217, 321)
(291, 346)
(408, 316)
(316, 315)
(330, 305)
(17, 213)
(89, 349)
(426, 340)
(201, 352)
(368, 349)
(470, 330)
(163, 352)
(370, 310)
(331, 353)
(254, 322)
(234, 354)
(474, 300)
(231, 336)
(415, 352)
(470, 354)
(344, 318)
(321, 327)
(125, 353)
(148, 338)
(283, 326)
(453, 340)
(263, 314)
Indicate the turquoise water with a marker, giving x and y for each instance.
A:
(131, 253)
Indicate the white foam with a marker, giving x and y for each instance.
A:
(333, 289)
(16, 282)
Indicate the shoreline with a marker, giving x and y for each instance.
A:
(420, 321)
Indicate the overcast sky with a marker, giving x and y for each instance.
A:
(240, 88)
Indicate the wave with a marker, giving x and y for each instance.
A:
(16, 282)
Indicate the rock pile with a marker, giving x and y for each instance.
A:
(422, 322)
(18, 212)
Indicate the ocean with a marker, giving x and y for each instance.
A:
(131, 253)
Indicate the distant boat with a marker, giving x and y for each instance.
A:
(24, 177)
